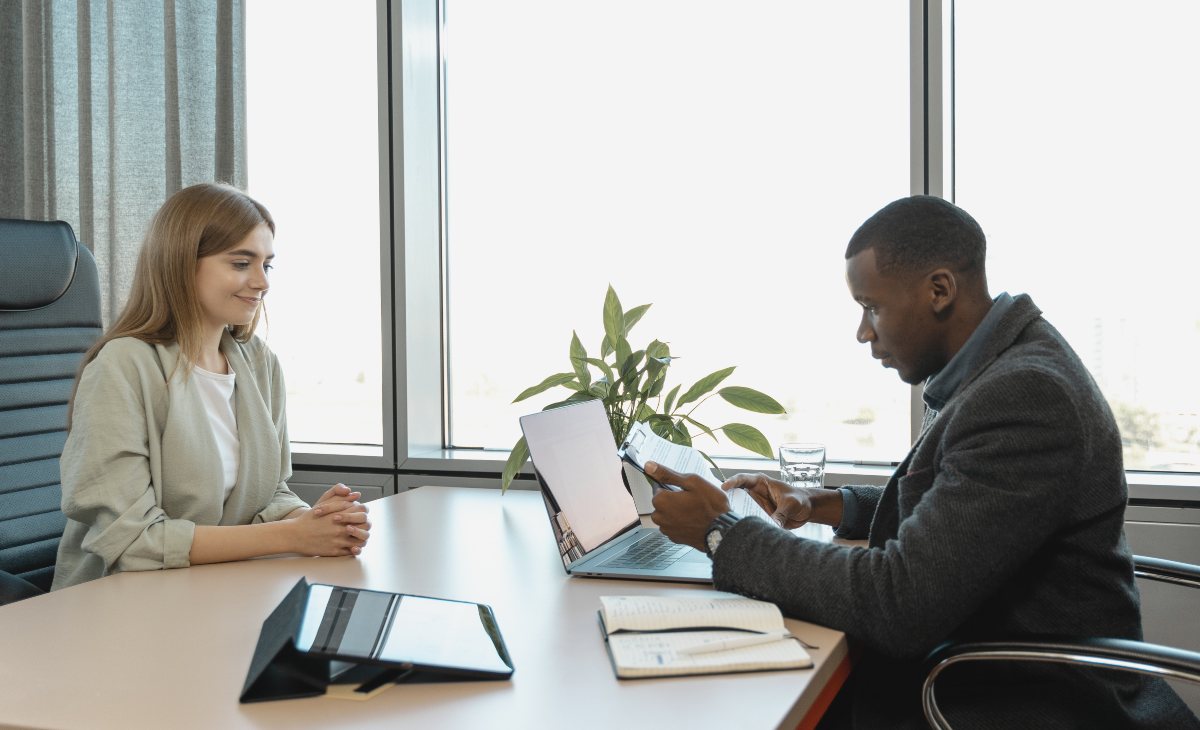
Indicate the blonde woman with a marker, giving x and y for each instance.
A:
(177, 452)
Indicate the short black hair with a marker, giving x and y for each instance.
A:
(920, 233)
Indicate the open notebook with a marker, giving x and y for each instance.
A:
(656, 636)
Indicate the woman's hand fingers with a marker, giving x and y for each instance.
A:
(338, 505)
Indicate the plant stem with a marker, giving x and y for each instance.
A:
(710, 395)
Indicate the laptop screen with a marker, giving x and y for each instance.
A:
(573, 451)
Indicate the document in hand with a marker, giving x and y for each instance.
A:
(655, 636)
(643, 445)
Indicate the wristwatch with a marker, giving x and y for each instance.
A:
(716, 531)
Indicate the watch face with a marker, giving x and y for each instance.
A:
(712, 539)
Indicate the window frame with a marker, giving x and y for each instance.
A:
(412, 222)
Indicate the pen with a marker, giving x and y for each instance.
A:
(735, 643)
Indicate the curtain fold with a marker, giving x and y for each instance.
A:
(109, 106)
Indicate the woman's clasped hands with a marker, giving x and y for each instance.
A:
(336, 525)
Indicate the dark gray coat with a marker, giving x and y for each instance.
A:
(1004, 521)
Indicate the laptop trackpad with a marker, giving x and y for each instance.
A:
(694, 556)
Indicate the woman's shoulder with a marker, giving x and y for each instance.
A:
(121, 352)
(126, 360)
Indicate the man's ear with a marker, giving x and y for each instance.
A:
(943, 290)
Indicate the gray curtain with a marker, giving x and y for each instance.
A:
(108, 107)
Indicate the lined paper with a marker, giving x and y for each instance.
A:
(656, 613)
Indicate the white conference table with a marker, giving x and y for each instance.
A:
(171, 648)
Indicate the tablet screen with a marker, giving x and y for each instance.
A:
(350, 623)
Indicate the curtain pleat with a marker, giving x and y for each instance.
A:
(109, 106)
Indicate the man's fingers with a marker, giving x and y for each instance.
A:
(664, 475)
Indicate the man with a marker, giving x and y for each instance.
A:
(1005, 520)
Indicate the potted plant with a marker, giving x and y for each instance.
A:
(631, 383)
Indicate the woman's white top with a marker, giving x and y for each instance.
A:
(216, 393)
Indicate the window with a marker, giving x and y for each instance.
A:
(1077, 155)
(708, 158)
(313, 160)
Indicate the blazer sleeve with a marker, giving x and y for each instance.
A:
(996, 499)
(105, 468)
(284, 501)
(858, 508)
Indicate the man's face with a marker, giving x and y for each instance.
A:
(898, 319)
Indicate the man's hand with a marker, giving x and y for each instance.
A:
(684, 516)
(790, 506)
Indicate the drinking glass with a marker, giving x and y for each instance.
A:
(802, 465)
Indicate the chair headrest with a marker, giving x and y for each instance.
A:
(37, 262)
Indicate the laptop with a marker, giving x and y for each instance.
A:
(592, 514)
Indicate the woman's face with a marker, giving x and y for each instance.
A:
(231, 284)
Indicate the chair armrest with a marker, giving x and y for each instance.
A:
(1116, 654)
(1168, 571)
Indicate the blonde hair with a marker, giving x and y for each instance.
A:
(198, 221)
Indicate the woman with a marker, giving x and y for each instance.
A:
(177, 451)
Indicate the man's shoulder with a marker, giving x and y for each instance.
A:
(1041, 349)
(1040, 372)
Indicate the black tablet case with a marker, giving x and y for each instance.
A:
(280, 671)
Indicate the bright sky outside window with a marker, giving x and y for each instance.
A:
(712, 159)
(312, 140)
(1078, 155)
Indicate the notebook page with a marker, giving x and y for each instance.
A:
(659, 613)
(651, 655)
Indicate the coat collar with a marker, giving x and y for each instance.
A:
(1019, 315)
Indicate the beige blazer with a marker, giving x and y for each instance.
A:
(140, 468)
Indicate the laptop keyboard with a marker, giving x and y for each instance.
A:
(653, 552)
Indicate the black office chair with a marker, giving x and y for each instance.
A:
(1097, 653)
(49, 316)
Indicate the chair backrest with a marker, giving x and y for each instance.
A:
(49, 316)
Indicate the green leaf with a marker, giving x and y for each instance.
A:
(658, 354)
(547, 384)
(606, 347)
(716, 469)
(604, 367)
(578, 358)
(681, 433)
(634, 316)
(614, 318)
(644, 412)
(629, 369)
(516, 459)
(749, 438)
(707, 431)
(600, 389)
(662, 425)
(704, 385)
(656, 385)
(749, 399)
(623, 352)
(670, 399)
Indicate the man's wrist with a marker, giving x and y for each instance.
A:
(826, 506)
(715, 533)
